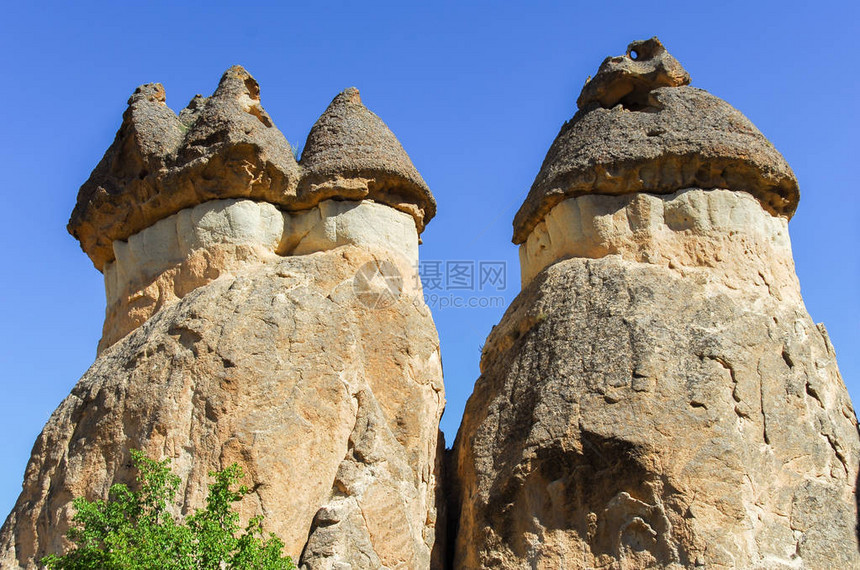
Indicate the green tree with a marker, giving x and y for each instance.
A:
(134, 530)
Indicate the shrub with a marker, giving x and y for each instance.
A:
(134, 530)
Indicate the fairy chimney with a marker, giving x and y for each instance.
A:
(259, 311)
(657, 396)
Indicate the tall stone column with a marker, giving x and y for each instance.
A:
(657, 396)
(259, 311)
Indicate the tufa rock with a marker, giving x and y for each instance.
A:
(174, 256)
(657, 396)
(232, 148)
(641, 129)
(628, 416)
(149, 136)
(629, 78)
(687, 230)
(351, 153)
(330, 405)
(249, 324)
(227, 146)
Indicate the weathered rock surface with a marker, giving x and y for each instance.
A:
(352, 154)
(681, 137)
(255, 322)
(331, 407)
(628, 416)
(657, 395)
(177, 254)
(720, 235)
(630, 77)
(227, 146)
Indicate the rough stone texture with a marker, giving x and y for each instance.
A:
(330, 406)
(725, 236)
(680, 137)
(657, 396)
(340, 222)
(256, 319)
(351, 153)
(226, 146)
(177, 254)
(629, 415)
(170, 241)
(630, 77)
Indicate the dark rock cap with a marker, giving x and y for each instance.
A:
(350, 153)
(224, 146)
(640, 128)
(227, 146)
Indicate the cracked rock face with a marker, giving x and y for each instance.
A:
(630, 417)
(331, 407)
(657, 396)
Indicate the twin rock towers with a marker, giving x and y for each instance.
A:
(656, 396)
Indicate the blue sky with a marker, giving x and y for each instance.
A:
(475, 91)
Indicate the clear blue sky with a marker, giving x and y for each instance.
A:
(476, 92)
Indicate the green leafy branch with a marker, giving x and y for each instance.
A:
(134, 530)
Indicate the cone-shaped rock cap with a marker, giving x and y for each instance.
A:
(351, 154)
(224, 146)
(640, 128)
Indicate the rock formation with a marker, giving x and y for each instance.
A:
(657, 396)
(259, 311)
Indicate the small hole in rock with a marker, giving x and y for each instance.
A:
(253, 88)
(634, 55)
